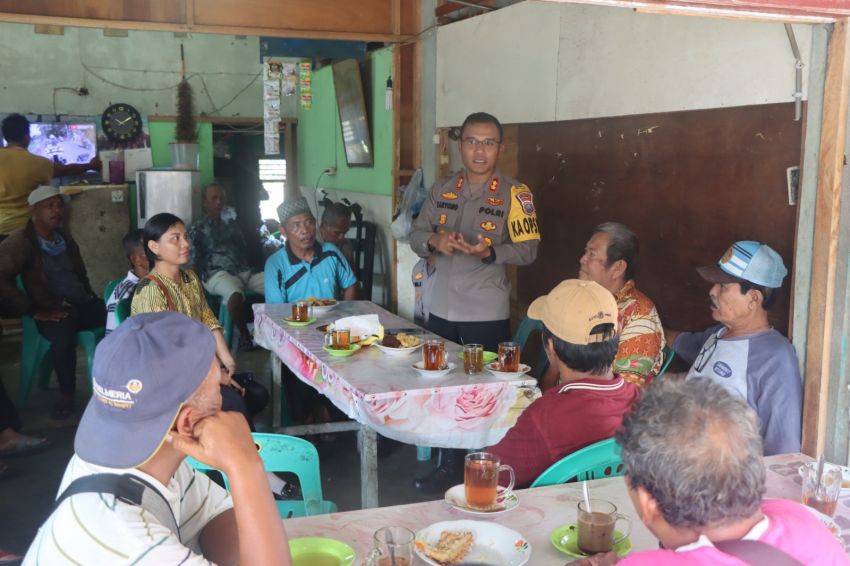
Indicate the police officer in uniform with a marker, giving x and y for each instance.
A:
(475, 222)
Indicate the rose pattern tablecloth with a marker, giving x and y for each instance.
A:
(385, 393)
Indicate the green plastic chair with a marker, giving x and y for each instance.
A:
(599, 460)
(34, 349)
(282, 453)
(122, 310)
(669, 354)
(110, 287)
(526, 327)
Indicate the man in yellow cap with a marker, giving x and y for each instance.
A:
(580, 336)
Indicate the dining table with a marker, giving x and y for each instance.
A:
(539, 512)
(383, 394)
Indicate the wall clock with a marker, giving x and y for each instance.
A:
(121, 122)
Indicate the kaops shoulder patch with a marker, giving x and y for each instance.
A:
(522, 219)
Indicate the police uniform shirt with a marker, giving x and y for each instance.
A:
(467, 289)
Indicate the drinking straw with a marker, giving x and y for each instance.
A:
(820, 475)
(586, 496)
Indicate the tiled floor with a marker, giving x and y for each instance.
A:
(28, 491)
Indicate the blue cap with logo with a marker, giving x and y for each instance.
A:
(143, 373)
(747, 261)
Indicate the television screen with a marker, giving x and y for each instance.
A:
(65, 143)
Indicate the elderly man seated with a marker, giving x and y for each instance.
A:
(219, 255)
(611, 259)
(696, 478)
(580, 337)
(743, 353)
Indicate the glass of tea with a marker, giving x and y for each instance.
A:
(434, 355)
(823, 496)
(596, 526)
(509, 356)
(391, 546)
(481, 480)
(340, 338)
(473, 358)
(300, 311)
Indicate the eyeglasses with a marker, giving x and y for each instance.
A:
(486, 144)
(705, 353)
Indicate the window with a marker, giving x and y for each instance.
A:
(272, 176)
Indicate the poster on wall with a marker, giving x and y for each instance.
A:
(272, 73)
(288, 80)
(305, 79)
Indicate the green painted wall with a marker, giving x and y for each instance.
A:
(162, 133)
(320, 139)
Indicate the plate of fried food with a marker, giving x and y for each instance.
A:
(399, 344)
(471, 542)
(320, 306)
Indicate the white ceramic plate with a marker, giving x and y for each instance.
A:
(826, 520)
(420, 368)
(323, 309)
(523, 369)
(492, 543)
(456, 497)
(397, 351)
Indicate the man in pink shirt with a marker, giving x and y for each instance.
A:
(696, 478)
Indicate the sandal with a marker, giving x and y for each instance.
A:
(24, 444)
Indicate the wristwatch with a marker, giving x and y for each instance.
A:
(490, 258)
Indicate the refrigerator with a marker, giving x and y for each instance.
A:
(167, 190)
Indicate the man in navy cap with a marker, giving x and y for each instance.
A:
(744, 353)
(156, 400)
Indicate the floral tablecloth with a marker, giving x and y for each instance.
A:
(385, 393)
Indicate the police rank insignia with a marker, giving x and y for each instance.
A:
(449, 195)
(488, 226)
(419, 275)
(493, 201)
(443, 219)
(488, 241)
(494, 185)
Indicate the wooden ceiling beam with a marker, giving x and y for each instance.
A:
(219, 30)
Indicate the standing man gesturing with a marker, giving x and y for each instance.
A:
(475, 222)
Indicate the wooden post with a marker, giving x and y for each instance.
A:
(822, 322)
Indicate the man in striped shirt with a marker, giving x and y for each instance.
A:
(135, 252)
(155, 401)
(580, 335)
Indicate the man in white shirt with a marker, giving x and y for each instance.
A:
(156, 400)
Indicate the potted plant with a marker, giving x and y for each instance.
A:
(185, 148)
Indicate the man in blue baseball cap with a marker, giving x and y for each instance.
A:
(744, 353)
(156, 400)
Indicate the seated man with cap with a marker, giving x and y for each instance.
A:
(156, 400)
(580, 337)
(744, 353)
(304, 268)
(58, 294)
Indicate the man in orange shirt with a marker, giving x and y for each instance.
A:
(610, 259)
(21, 172)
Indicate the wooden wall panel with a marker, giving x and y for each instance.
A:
(162, 11)
(688, 183)
(365, 16)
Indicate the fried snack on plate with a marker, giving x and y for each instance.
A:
(407, 340)
(391, 341)
(452, 547)
(314, 302)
